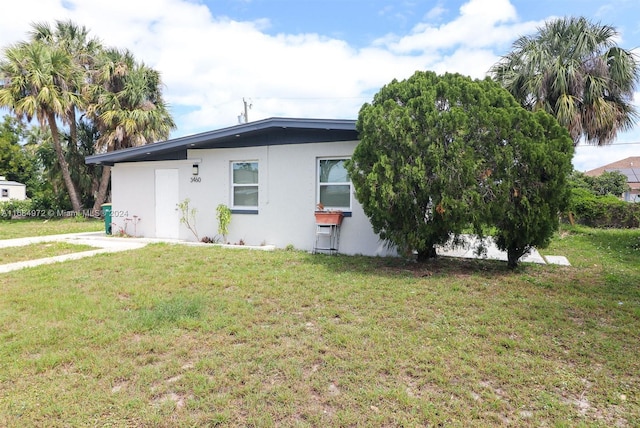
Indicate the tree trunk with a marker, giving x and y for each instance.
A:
(73, 131)
(95, 181)
(427, 253)
(64, 166)
(102, 190)
(513, 255)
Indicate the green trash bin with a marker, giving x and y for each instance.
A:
(106, 213)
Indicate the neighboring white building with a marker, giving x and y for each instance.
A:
(12, 190)
(272, 174)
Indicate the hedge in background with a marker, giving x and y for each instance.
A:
(15, 208)
(603, 211)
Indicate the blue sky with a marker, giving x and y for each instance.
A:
(315, 58)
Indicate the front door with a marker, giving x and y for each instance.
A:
(167, 215)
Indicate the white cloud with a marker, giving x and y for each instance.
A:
(481, 24)
(436, 12)
(209, 63)
(587, 158)
(15, 21)
(467, 61)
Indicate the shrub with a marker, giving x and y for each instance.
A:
(223, 214)
(603, 211)
(15, 208)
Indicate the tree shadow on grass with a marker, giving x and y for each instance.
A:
(398, 266)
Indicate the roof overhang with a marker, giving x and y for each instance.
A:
(273, 131)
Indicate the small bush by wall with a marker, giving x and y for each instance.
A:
(603, 211)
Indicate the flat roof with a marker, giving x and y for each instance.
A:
(272, 131)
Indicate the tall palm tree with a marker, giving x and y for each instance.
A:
(62, 73)
(38, 80)
(74, 40)
(573, 69)
(125, 102)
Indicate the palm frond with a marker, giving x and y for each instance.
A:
(573, 69)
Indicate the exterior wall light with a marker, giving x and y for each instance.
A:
(196, 169)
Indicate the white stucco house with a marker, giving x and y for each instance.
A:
(272, 173)
(12, 190)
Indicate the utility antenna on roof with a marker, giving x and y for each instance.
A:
(244, 117)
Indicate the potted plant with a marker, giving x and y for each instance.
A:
(328, 217)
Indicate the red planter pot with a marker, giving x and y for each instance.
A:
(329, 217)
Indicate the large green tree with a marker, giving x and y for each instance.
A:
(45, 187)
(573, 69)
(24, 152)
(415, 167)
(608, 183)
(438, 154)
(530, 162)
(14, 162)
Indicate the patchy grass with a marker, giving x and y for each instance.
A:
(201, 336)
(40, 251)
(10, 229)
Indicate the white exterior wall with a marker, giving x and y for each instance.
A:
(287, 196)
(631, 196)
(133, 194)
(13, 191)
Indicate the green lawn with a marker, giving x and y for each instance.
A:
(174, 335)
(10, 229)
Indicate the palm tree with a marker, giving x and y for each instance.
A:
(126, 104)
(62, 73)
(38, 80)
(573, 69)
(70, 37)
(74, 40)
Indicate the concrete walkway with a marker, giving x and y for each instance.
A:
(102, 243)
(468, 251)
(110, 244)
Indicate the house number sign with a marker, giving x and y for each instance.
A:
(196, 179)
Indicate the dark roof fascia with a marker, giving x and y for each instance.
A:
(226, 137)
